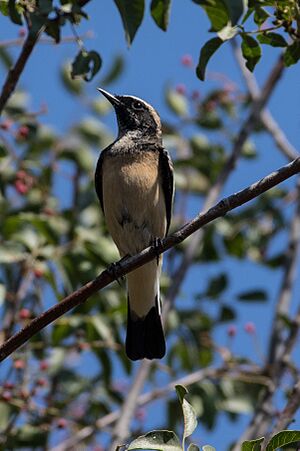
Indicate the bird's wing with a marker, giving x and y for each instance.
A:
(98, 179)
(167, 179)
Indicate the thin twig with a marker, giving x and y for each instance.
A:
(237, 373)
(285, 294)
(65, 40)
(124, 267)
(287, 415)
(266, 117)
(15, 72)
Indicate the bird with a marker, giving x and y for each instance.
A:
(134, 183)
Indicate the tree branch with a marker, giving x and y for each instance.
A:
(266, 117)
(254, 374)
(283, 303)
(286, 416)
(16, 71)
(124, 267)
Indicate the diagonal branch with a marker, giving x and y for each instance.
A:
(252, 373)
(15, 72)
(124, 267)
(266, 117)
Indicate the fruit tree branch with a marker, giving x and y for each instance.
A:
(124, 267)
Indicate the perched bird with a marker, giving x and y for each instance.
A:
(134, 183)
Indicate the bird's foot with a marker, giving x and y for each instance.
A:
(114, 268)
(157, 246)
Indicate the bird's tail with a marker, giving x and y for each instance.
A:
(145, 335)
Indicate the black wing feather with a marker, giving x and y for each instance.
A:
(98, 179)
(167, 179)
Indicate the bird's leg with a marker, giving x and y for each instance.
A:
(157, 246)
(115, 266)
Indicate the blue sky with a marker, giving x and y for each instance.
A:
(153, 61)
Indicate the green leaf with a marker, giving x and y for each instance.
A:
(252, 445)
(217, 285)
(217, 13)
(283, 438)
(189, 415)
(53, 29)
(208, 448)
(251, 51)
(86, 64)
(14, 13)
(157, 440)
(177, 103)
(235, 9)
(193, 447)
(260, 16)
(273, 39)
(253, 295)
(74, 86)
(292, 54)
(209, 48)
(160, 11)
(132, 13)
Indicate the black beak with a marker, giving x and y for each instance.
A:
(111, 98)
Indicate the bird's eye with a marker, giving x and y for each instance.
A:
(137, 105)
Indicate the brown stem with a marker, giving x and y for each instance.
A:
(124, 267)
(15, 72)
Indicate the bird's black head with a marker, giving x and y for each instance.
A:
(135, 115)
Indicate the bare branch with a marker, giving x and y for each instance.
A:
(286, 416)
(283, 303)
(238, 373)
(124, 267)
(266, 117)
(66, 40)
(16, 71)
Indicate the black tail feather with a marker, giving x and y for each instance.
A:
(145, 336)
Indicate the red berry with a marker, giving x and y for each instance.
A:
(62, 423)
(6, 395)
(22, 175)
(24, 313)
(22, 32)
(231, 331)
(38, 272)
(187, 61)
(181, 89)
(41, 382)
(24, 393)
(49, 211)
(23, 132)
(44, 365)
(250, 328)
(5, 125)
(19, 364)
(21, 187)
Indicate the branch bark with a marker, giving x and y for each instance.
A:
(266, 117)
(16, 71)
(124, 267)
(280, 348)
(238, 373)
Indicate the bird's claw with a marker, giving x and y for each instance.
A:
(114, 268)
(157, 246)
